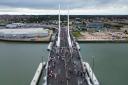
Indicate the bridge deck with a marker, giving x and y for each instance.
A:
(65, 65)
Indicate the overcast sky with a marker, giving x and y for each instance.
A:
(50, 7)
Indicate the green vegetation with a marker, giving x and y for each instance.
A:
(2, 22)
(76, 34)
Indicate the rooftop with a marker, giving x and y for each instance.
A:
(23, 31)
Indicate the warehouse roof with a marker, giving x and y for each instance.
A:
(23, 31)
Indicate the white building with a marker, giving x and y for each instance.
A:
(14, 25)
(21, 33)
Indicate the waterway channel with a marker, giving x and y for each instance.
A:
(19, 61)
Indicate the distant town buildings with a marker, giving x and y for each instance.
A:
(96, 25)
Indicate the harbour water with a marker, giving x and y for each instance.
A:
(19, 61)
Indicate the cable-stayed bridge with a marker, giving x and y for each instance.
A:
(65, 65)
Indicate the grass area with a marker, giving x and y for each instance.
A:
(76, 34)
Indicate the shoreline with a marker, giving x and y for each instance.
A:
(24, 41)
(79, 41)
(102, 41)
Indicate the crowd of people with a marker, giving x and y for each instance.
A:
(64, 65)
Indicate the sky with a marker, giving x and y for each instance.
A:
(76, 7)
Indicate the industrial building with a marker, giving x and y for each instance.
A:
(23, 33)
(14, 25)
(95, 25)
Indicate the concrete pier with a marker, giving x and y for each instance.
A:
(38, 73)
(49, 46)
(92, 80)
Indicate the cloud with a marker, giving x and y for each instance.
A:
(77, 6)
(53, 4)
(79, 11)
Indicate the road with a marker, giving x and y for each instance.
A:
(64, 64)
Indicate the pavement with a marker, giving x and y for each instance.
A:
(64, 64)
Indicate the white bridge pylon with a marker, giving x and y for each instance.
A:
(58, 39)
(59, 30)
(69, 38)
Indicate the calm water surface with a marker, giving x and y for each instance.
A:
(19, 61)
